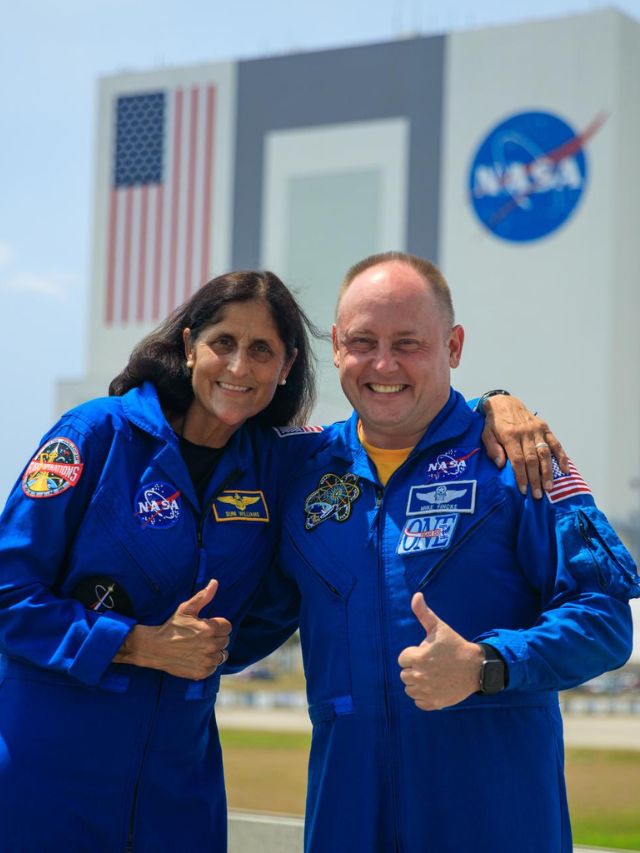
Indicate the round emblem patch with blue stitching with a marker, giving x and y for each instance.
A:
(157, 505)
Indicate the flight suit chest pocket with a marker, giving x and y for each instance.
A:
(457, 532)
(326, 586)
(237, 555)
(153, 537)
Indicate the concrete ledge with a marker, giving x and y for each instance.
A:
(264, 833)
(268, 833)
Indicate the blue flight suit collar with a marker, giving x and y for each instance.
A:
(451, 422)
(143, 409)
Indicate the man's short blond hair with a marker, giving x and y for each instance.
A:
(427, 270)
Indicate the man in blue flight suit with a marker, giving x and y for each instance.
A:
(461, 748)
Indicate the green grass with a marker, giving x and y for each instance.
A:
(285, 741)
(604, 797)
(266, 771)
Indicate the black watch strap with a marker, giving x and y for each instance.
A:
(486, 395)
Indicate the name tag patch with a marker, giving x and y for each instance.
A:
(241, 505)
(426, 533)
(431, 498)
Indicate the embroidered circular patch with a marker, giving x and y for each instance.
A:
(332, 499)
(101, 593)
(55, 468)
(157, 505)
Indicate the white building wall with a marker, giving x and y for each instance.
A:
(621, 395)
(547, 319)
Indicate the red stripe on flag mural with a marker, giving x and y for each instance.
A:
(208, 176)
(142, 258)
(157, 254)
(111, 256)
(126, 263)
(191, 192)
(175, 199)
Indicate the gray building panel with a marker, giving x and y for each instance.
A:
(403, 78)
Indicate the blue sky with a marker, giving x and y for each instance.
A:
(51, 56)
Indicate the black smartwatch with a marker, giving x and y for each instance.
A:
(493, 672)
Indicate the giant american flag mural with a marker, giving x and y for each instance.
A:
(160, 214)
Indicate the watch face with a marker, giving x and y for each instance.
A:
(492, 677)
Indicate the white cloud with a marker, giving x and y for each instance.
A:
(55, 285)
(6, 252)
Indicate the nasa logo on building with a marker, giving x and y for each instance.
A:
(529, 174)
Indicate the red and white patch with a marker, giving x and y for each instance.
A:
(284, 432)
(56, 467)
(566, 485)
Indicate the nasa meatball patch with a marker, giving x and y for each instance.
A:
(157, 505)
(56, 467)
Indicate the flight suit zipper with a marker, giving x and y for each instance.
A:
(389, 736)
(583, 527)
(202, 553)
(200, 568)
(134, 802)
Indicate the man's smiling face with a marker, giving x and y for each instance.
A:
(394, 348)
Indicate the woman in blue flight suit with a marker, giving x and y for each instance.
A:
(110, 542)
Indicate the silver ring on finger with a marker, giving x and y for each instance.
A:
(224, 656)
(541, 444)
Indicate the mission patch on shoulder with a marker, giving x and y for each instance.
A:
(56, 467)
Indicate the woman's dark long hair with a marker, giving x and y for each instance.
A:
(160, 357)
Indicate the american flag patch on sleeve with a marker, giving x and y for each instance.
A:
(283, 432)
(566, 485)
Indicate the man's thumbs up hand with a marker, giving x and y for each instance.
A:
(425, 615)
(445, 668)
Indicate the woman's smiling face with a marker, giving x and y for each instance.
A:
(236, 366)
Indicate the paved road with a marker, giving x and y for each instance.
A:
(615, 731)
